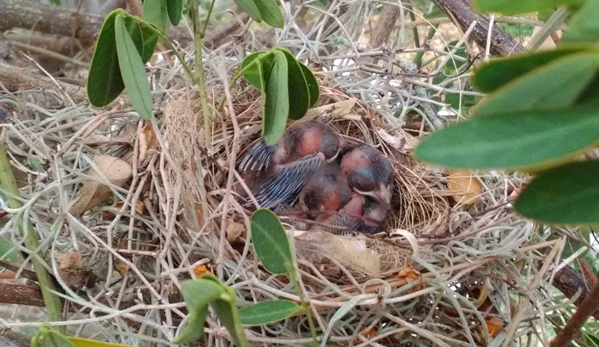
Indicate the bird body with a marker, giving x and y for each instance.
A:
(287, 166)
(304, 170)
(369, 173)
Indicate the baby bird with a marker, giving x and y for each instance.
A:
(369, 173)
(326, 191)
(285, 167)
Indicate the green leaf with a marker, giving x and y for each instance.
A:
(174, 9)
(266, 312)
(149, 40)
(47, 336)
(79, 342)
(249, 7)
(104, 83)
(227, 313)
(144, 38)
(197, 295)
(270, 13)
(313, 88)
(563, 195)
(270, 241)
(132, 71)
(250, 67)
(554, 86)
(154, 13)
(8, 251)
(512, 7)
(195, 326)
(276, 107)
(511, 141)
(584, 25)
(298, 87)
(494, 74)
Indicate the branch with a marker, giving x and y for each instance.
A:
(20, 77)
(502, 44)
(587, 307)
(58, 20)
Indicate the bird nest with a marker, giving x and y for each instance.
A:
(126, 209)
(416, 208)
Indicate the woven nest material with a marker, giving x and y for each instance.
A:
(440, 274)
(416, 209)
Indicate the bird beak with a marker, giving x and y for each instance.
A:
(382, 195)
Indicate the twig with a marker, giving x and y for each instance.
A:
(555, 22)
(587, 307)
(9, 184)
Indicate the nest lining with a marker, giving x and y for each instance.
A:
(191, 219)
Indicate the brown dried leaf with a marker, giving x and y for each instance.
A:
(70, 268)
(466, 188)
(352, 252)
(334, 110)
(234, 230)
(409, 274)
(93, 191)
(147, 141)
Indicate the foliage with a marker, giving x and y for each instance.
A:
(540, 115)
(273, 250)
(124, 45)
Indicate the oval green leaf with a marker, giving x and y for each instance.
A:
(132, 70)
(511, 7)
(270, 12)
(105, 83)
(563, 195)
(512, 141)
(154, 13)
(197, 295)
(494, 74)
(276, 106)
(313, 88)
(79, 342)
(174, 9)
(298, 87)
(250, 68)
(228, 314)
(267, 312)
(194, 328)
(554, 86)
(270, 241)
(249, 7)
(584, 25)
(144, 38)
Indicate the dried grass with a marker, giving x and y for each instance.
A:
(192, 216)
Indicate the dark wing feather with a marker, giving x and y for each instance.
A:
(288, 181)
(259, 155)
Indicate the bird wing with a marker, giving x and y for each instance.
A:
(259, 155)
(288, 181)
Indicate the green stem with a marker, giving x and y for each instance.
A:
(305, 305)
(208, 18)
(419, 55)
(199, 71)
(7, 179)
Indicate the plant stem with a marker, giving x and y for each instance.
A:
(298, 290)
(8, 182)
(208, 18)
(199, 71)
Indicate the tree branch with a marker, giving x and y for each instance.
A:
(58, 20)
(462, 11)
